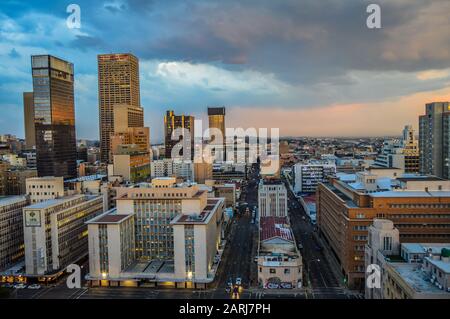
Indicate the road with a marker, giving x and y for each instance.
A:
(317, 268)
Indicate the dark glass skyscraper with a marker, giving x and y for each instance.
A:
(54, 114)
(173, 122)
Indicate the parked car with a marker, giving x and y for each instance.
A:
(34, 286)
(238, 281)
(230, 282)
(271, 285)
(286, 285)
(20, 286)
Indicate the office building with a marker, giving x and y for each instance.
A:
(272, 198)
(54, 116)
(171, 168)
(347, 204)
(11, 230)
(55, 233)
(216, 118)
(41, 189)
(202, 172)
(28, 112)
(139, 136)
(118, 84)
(175, 123)
(177, 234)
(434, 140)
(308, 176)
(131, 164)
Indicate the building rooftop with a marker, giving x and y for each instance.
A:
(109, 217)
(400, 193)
(86, 178)
(203, 217)
(8, 200)
(271, 227)
(439, 263)
(413, 275)
(56, 201)
(419, 248)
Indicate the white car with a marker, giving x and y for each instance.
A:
(238, 281)
(20, 286)
(34, 286)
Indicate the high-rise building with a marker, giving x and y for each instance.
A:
(54, 116)
(172, 123)
(118, 84)
(308, 176)
(216, 118)
(28, 112)
(434, 140)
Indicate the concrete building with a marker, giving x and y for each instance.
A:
(133, 165)
(419, 206)
(279, 262)
(16, 180)
(11, 229)
(40, 189)
(272, 198)
(202, 172)
(118, 84)
(170, 168)
(308, 176)
(55, 233)
(177, 234)
(28, 112)
(139, 136)
(407, 270)
(434, 140)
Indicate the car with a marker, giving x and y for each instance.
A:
(238, 281)
(8, 285)
(230, 282)
(300, 246)
(34, 286)
(20, 286)
(271, 285)
(286, 285)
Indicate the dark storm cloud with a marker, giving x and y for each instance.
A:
(305, 41)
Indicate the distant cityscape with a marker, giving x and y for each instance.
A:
(345, 218)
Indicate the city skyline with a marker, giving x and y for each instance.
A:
(311, 90)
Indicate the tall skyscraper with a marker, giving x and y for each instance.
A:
(173, 122)
(434, 140)
(118, 84)
(216, 118)
(28, 112)
(54, 116)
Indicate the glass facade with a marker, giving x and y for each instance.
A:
(54, 116)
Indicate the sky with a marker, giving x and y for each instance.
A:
(308, 67)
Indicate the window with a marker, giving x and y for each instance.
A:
(387, 243)
(287, 271)
(272, 271)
